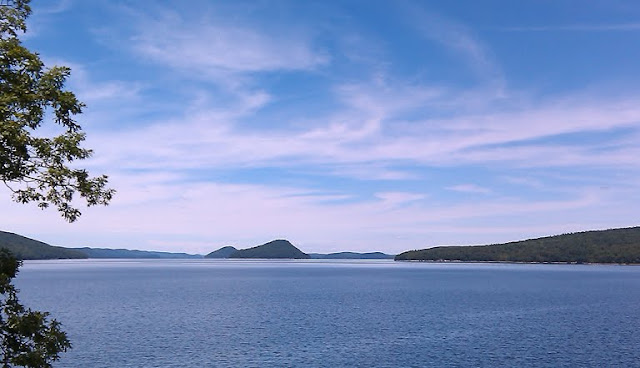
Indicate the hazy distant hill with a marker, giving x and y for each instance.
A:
(351, 255)
(26, 248)
(273, 249)
(126, 253)
(223, 252)
(601, 246)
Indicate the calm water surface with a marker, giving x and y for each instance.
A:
(233, 313)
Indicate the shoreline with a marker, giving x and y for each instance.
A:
(519, 262)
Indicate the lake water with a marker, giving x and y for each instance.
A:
(313, 313)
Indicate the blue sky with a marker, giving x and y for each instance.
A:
(347, 125)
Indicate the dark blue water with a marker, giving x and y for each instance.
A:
(200, 313)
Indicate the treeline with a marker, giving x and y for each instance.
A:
(351, 255)
(603, 246)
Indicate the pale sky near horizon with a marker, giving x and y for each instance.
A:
(346, 125)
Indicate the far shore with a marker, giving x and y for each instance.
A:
(516, 262)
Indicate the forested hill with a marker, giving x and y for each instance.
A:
(273, 249)
(602, 246)
(25, 248)
(224, 252)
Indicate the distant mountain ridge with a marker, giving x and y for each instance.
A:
(596, 246)
(106, 253)
(26, 248)
(228, 251)
(351, 255)
(274, 249)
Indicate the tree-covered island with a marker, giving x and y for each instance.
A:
(274, 249)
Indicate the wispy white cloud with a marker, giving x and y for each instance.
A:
(41, 16)
(54, 6)
(524, 181)
(90, 90)
(395, 199)
(460, 39)
(213, 46)
(619, 27)
(370, 171)
(469, 188)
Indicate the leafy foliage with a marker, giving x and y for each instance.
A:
(29, 338)
(605, 246)
(37, 169)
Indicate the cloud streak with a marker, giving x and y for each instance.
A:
(214, 47)
(621, 27)
(457, 37)
(469, 188)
